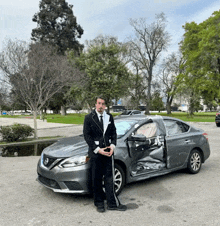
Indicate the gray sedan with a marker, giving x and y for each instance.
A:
(147, 146)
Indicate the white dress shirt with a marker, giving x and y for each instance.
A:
(105, 124)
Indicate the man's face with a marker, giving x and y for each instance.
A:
(100, 105)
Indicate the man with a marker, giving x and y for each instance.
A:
(100, 134)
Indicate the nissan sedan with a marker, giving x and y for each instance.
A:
(147, 146)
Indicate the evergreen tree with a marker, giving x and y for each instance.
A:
(56, 25)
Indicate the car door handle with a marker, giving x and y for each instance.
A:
(187, 141)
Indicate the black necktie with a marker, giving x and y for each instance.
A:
(101, 121)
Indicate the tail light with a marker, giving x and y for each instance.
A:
(218, 113)
(205, 135)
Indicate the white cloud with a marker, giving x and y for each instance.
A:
(107, 17)
(20, 3)
(176, 21)
(205, 13)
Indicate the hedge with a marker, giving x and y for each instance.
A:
(16, 132)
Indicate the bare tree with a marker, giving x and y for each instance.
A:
(137, 87)
(13, 59)
(42, 74)
(4, 100)
(145, 49)
(171, 68)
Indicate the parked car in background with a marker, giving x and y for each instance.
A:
(132, 112)
(147, 146)
(217, 119)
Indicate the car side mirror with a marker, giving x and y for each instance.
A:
(137, 137)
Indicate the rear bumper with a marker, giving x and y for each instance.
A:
(206, 151)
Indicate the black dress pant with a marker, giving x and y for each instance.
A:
(103, 167)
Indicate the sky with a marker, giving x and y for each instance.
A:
(107, 17)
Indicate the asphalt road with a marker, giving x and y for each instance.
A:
(172, 200)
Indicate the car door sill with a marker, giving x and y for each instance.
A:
(134, 174)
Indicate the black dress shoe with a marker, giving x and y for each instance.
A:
(101, 209)
(119, 208)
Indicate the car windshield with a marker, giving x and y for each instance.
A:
(123, 127)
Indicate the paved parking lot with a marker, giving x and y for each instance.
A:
(172, 200)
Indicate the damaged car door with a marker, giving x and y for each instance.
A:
(178, 141)
(146, 149)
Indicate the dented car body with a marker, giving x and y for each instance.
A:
(147, 146)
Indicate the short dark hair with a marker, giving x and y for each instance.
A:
(100, 97)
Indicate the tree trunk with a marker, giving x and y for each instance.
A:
(35, 124)
(148, 101)
(168, 108)
(63, 110)
(35, 149)
(41, 114)
(168, 104)
(191, 105)
(108, 109)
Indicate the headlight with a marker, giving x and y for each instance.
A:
(74, 161)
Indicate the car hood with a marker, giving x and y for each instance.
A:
(67, 147)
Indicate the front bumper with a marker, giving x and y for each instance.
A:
(74, 180)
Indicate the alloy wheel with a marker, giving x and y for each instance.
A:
(195, 162)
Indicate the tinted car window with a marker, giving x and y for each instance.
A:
(175, 127)
(136, 112)
(148, 130)
(130, 112)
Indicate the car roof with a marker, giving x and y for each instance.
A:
(138, 117)
(146, 117)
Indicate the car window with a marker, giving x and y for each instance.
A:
(122, 127)
(136, 112)
(148, 130)
(175, 127)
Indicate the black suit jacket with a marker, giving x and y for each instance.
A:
(94, 134)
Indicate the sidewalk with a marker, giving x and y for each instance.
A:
(44, 128)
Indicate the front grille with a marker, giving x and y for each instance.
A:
(73, 185)
(48, 161)
(48, 182)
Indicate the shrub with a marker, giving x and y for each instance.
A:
(15, 132)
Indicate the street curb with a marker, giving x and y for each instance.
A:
(30, 142)
(60, 127)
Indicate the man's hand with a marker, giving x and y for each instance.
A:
(106, 153)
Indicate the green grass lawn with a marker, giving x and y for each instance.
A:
(67, 119)
(197, 117)
(79, 118)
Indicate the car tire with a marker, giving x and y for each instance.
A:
(119, 179)
(194, 162)
(218, 124)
